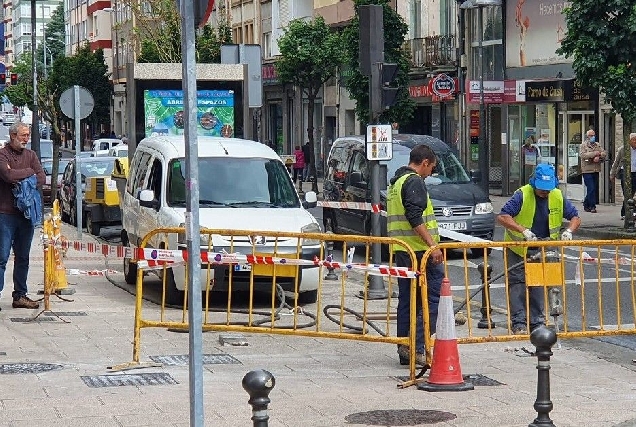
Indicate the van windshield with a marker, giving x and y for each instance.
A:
(235, 182)
(449, 169)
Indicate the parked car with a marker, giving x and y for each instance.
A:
(105, 143)
(119, 151)
(66, 195)
(459, 203)
(243, 185)
(46, 149)
(47, 165)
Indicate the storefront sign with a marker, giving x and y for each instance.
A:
(474, 124)
(268, 74)
(493, 91)
(443, 86)
(558, 91)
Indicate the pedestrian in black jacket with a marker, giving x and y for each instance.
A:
(307, 154)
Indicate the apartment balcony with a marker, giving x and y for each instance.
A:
(433, 52)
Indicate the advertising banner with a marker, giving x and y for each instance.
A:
(535, 29)
(163, 112)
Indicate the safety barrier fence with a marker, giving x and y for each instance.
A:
(292, 268)
(587, 288)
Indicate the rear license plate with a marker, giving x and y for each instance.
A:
(452, 225)
(242, 267)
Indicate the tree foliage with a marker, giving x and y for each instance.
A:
(158, 33)
(395, 29)
(54, 33)
(601, 40)
(310, 55)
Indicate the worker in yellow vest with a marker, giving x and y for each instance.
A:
(410, 218)
(535, 211)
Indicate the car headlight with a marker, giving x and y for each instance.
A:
(311, 228)
(483, 208)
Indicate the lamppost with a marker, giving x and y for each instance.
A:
(484, 149)
(35, 122)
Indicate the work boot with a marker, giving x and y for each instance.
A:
(403, 352)
(25, 302)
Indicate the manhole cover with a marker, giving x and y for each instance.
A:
(27, 368)
(40, 318)
(481, 380)
(208, 359)
(399, 417)
(153, 378)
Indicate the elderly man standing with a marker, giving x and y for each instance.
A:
(617, 168)
(592, 155)
(16, 231)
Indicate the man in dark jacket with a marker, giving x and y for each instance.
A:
(410, 219)
(307, 154)
(16, 231)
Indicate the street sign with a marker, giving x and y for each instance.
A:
(379, 142)
(86, 103)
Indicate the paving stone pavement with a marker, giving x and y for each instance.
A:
(319, 381)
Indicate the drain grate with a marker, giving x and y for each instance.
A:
(28, 368)
(481, 380)
(118, 380)
(208, 359)
(41, 318)
(399, 417)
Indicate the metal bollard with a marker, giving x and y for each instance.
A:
(486, 311)
(258, 384)
(543, 339)
(330, 270)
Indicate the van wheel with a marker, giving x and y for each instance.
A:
(173, 295)
(92, 227)
(308, 297)
(130, 269)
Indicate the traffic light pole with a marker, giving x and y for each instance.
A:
(35, 122)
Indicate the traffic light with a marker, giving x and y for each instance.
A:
(3, 78)
(14, 79)
(384, 92)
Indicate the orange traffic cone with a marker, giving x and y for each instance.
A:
(446, 373)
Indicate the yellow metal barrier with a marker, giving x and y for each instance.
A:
(272, 262)
(588, 287)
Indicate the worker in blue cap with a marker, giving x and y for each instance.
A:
(535, 211)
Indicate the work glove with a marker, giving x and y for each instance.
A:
(529, 235)
(566, 235)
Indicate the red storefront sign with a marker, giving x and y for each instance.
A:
(440, 88)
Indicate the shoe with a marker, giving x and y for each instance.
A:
(593, 210)
(519, 330)
(623, 218)
(587, 209)
(403, 352)
(25, 302)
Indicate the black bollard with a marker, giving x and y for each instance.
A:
(258, 384)
(543, 339)
(486, 311)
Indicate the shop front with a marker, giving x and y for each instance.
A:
(547, 121)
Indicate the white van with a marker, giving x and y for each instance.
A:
(243, 185)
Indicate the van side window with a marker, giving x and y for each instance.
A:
(154, 180)
(176, 183)
(138, 180)
(359, 164)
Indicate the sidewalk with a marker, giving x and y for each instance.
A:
(319, 382)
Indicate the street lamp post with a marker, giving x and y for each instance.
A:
(35, 123)
(484, 148)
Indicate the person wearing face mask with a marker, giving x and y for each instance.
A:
(592, 155)
(535, 211)
(617, 169)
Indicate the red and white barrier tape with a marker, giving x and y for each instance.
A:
(154, 258)
(363, 206)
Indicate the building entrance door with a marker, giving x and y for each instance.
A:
(575, 124)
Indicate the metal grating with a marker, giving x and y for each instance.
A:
(28, 368)
(208, 359)
(399, 417)
(481, 380)
(31, 319)
(118, 380)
